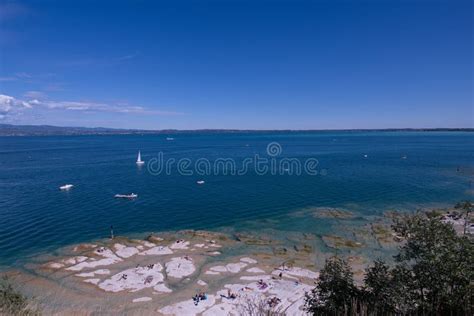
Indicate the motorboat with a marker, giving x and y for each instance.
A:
(126, 196)
(66, 187)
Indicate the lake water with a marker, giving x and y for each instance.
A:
(364, 172)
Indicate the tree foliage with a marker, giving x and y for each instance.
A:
(378, 291)
(258, 306)
(335, 289)
(436, 265)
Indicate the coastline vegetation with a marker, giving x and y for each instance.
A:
(433, 274)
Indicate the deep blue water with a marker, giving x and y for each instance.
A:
(36, 216)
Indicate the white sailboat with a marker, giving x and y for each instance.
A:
(139, 159)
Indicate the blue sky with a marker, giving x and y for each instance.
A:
(237, 64)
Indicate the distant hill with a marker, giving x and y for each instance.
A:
(45, 130)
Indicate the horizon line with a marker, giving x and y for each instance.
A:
(238, 129)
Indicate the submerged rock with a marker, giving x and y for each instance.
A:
(336, 242)
(252, 240)
(328, 212)
(303, 248)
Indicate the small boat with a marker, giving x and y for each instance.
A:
(139, 159)
(365, 156)
(66, 187)
(404, 157)
(200, 182)
(169, 138)
(126, 196)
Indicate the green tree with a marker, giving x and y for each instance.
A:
(379, 292)
(435, 266)
(335, 291)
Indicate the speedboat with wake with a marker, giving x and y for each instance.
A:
(126, 196)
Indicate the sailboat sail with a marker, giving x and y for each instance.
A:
(139, 158)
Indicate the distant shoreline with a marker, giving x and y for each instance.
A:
(48, 130)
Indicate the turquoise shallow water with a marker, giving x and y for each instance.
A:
(35, 216)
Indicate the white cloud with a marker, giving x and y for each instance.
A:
(10, 106)
(28, 77)
(11, 10)
(24, 75)
(128, 57)
(11, 78)
(99, 107)
(35, 95)
(98, 61)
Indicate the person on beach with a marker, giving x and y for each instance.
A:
(148, 279)
(261, 285)
(196, 299)
(199, 297)
(274, 301)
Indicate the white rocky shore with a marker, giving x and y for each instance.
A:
(163, 276)
(289, 296)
